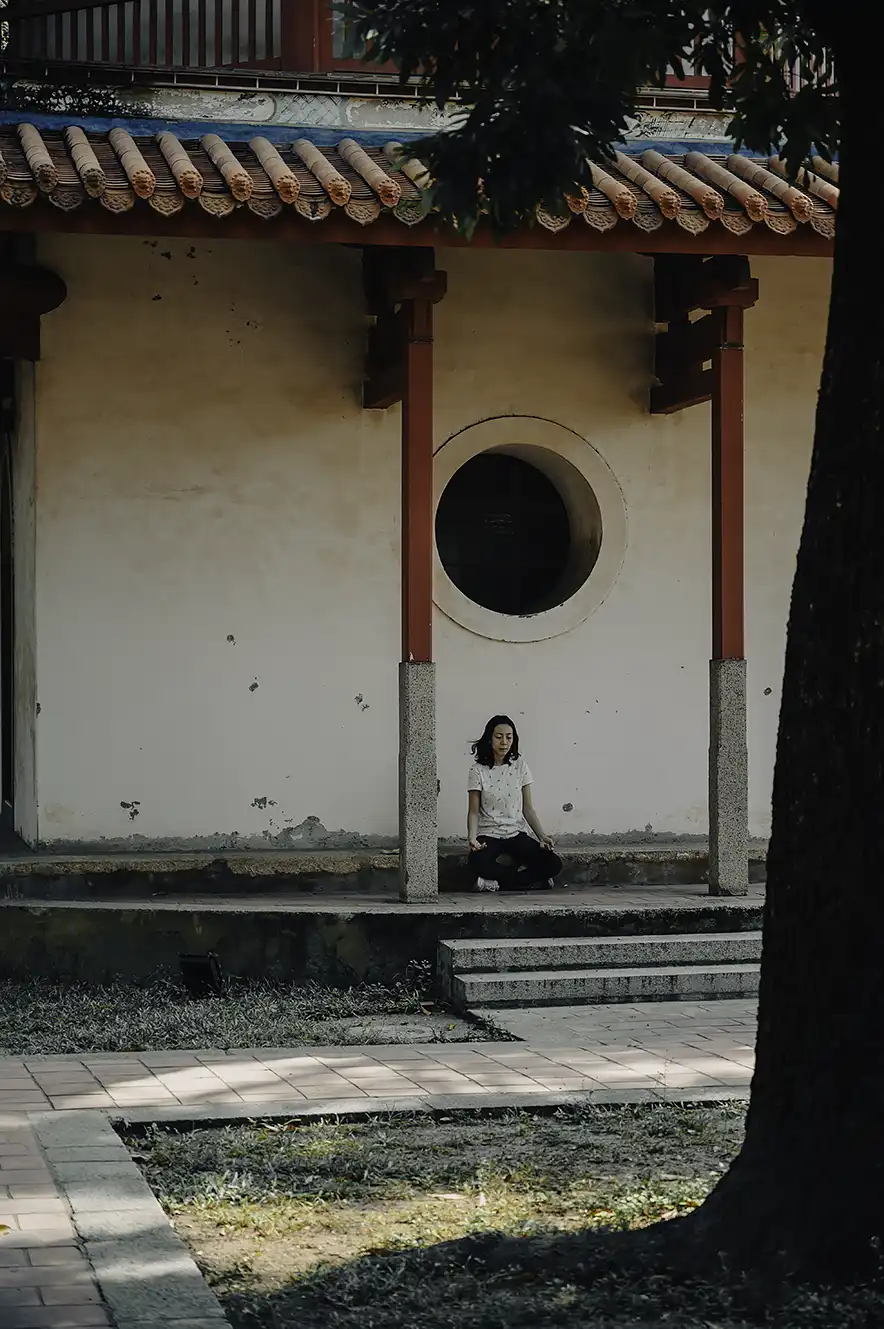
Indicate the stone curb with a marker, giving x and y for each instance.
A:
(143, 1269)
(426, 1105)
(144, 1272)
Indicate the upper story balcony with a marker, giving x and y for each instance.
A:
(174, 37)
(206, 41)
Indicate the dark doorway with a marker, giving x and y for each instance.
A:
(7, 600)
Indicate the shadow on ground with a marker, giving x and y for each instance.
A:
(395, 1222)
(603, 1282)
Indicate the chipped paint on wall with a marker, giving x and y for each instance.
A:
(190, 489)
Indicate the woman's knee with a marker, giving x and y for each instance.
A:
(483, 861)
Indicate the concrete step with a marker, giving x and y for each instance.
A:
(572, 987)
(493, 956)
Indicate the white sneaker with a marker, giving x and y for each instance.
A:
(485, 884)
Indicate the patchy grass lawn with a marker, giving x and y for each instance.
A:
(291, 1224)
(41, 1018)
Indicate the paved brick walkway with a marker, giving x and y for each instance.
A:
(659, 1046)
(672, 1031)
(608, 1053)
(46, 1281)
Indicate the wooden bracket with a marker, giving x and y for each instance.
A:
(681, 391)
(391, 276)
(684, 284)
(28, 289)
(385, 351)
(685, 345)
(397, 283)
(26, 292)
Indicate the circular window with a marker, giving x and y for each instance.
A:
(504, 535)
(530, 529)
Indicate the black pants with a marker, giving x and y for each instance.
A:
(526, 864)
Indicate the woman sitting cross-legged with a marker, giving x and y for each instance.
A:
(502, 854)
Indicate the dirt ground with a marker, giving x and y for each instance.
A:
(329, 1224)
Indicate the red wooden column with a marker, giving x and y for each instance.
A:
(417, 485)
(418, 781)
(728, 751)
(402, 287)
(727, 487)
(725, 287)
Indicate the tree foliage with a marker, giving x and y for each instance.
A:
(546, 84)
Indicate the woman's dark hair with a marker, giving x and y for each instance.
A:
(482, 750)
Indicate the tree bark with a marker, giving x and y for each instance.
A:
(804, 1200)
(806, 1194)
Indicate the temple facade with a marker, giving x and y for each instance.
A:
(300, 489)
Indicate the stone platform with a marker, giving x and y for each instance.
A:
(338, 938)
(220, 873)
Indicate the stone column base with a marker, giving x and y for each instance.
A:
(728, 779)
(418, 787)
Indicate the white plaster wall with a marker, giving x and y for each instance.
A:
(615, 714)
(205, 470)
(24, 533)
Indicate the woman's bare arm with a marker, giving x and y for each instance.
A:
(473, 819)
(532, 818)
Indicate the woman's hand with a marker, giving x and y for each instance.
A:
(476, 845)
(546, 842)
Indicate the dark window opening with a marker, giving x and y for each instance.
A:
(345, 43)
(340, 48)
(504, 535)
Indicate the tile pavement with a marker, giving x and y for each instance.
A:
(87, 1244)
(46, 1280)
(657, 1047)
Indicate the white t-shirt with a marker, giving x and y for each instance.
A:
(500, 804)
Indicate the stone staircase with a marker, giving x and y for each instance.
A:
(575, 971)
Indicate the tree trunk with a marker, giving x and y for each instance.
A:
(804, 1200)
(807, 1191)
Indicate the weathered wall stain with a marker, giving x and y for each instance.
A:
(285, 521)
(314, 837)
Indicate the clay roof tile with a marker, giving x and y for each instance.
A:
(71, 166)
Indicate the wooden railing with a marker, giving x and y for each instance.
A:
(293, 35)
(171, 34)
